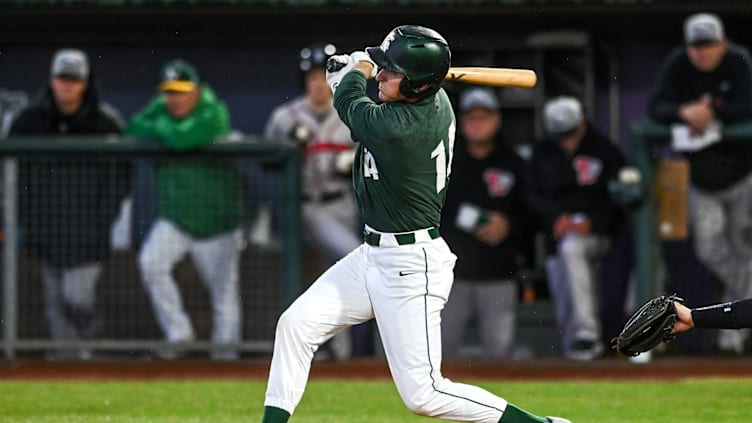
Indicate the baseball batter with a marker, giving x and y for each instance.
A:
(402, 274)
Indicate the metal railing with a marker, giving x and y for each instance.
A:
(270, 275)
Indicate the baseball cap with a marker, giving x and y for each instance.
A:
(562, 116)
(70, 63)
(482, 98)
(179, 75)
(703, 28)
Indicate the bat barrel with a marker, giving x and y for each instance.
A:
(495, 77)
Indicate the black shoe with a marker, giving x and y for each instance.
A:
(585, 350)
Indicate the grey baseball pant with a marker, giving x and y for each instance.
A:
(70, 295)
(572, 282)
(722, 230)
(493, 303)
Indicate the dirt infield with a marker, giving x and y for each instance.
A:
(606, 369)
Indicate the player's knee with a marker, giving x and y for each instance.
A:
(150, 265)
(290, 321)
(421, 402)
(572, 246)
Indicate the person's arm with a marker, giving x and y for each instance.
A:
(275, 130)
(664, 101)
(143, 124)
(732, 315)
(517, 215)
(738, 104)
(545, 210)
(602, 215)
(200, 129)
(370, 124)
(21, 124)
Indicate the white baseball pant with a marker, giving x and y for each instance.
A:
(216, 259)
(405, 289)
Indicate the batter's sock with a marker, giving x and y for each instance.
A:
(514, 414)
(275, 415)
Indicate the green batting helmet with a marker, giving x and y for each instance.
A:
(419, 53)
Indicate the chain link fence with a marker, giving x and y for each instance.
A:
(118, 247)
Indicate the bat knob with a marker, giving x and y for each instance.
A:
(334, 65)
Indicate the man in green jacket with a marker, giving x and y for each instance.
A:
(199, 208)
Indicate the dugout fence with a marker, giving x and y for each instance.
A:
(38, 225)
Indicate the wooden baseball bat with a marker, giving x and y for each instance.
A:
(495, 77)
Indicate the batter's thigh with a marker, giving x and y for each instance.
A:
(336, 300)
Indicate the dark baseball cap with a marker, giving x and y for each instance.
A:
(70, 63)
(179, 76)
(703, 28)
(562, 116)
(478, 98)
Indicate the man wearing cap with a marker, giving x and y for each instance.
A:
(199, 208)
(482, 221)
(705, 81)
(67, 206)
(568, 193)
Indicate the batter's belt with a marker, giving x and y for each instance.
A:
(377, 239)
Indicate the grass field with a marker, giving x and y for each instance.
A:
(691, 400)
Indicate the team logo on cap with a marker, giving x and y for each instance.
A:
(499, 182)
(588, 169)
(387, 42)
(171, 73)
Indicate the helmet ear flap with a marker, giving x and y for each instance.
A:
(417, 89)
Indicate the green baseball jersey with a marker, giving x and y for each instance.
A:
(403, 162)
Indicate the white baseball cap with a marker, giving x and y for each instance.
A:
(703, 28)
(562, 115)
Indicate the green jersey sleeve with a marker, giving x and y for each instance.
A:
(375, 126)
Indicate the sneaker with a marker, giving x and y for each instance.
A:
(558, 420)
(585, 350)
(174, 350)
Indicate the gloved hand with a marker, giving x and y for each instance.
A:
(362, 56)
(652, 324)
(336, 68)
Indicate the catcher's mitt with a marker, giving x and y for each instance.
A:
(648, 326)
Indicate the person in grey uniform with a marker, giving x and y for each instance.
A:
(705, 82)
(482, 221)
(568, 193)
(329, 214)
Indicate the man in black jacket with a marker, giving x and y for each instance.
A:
(67, 205)
(482, 222)
(568, 193)
(709, 81)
